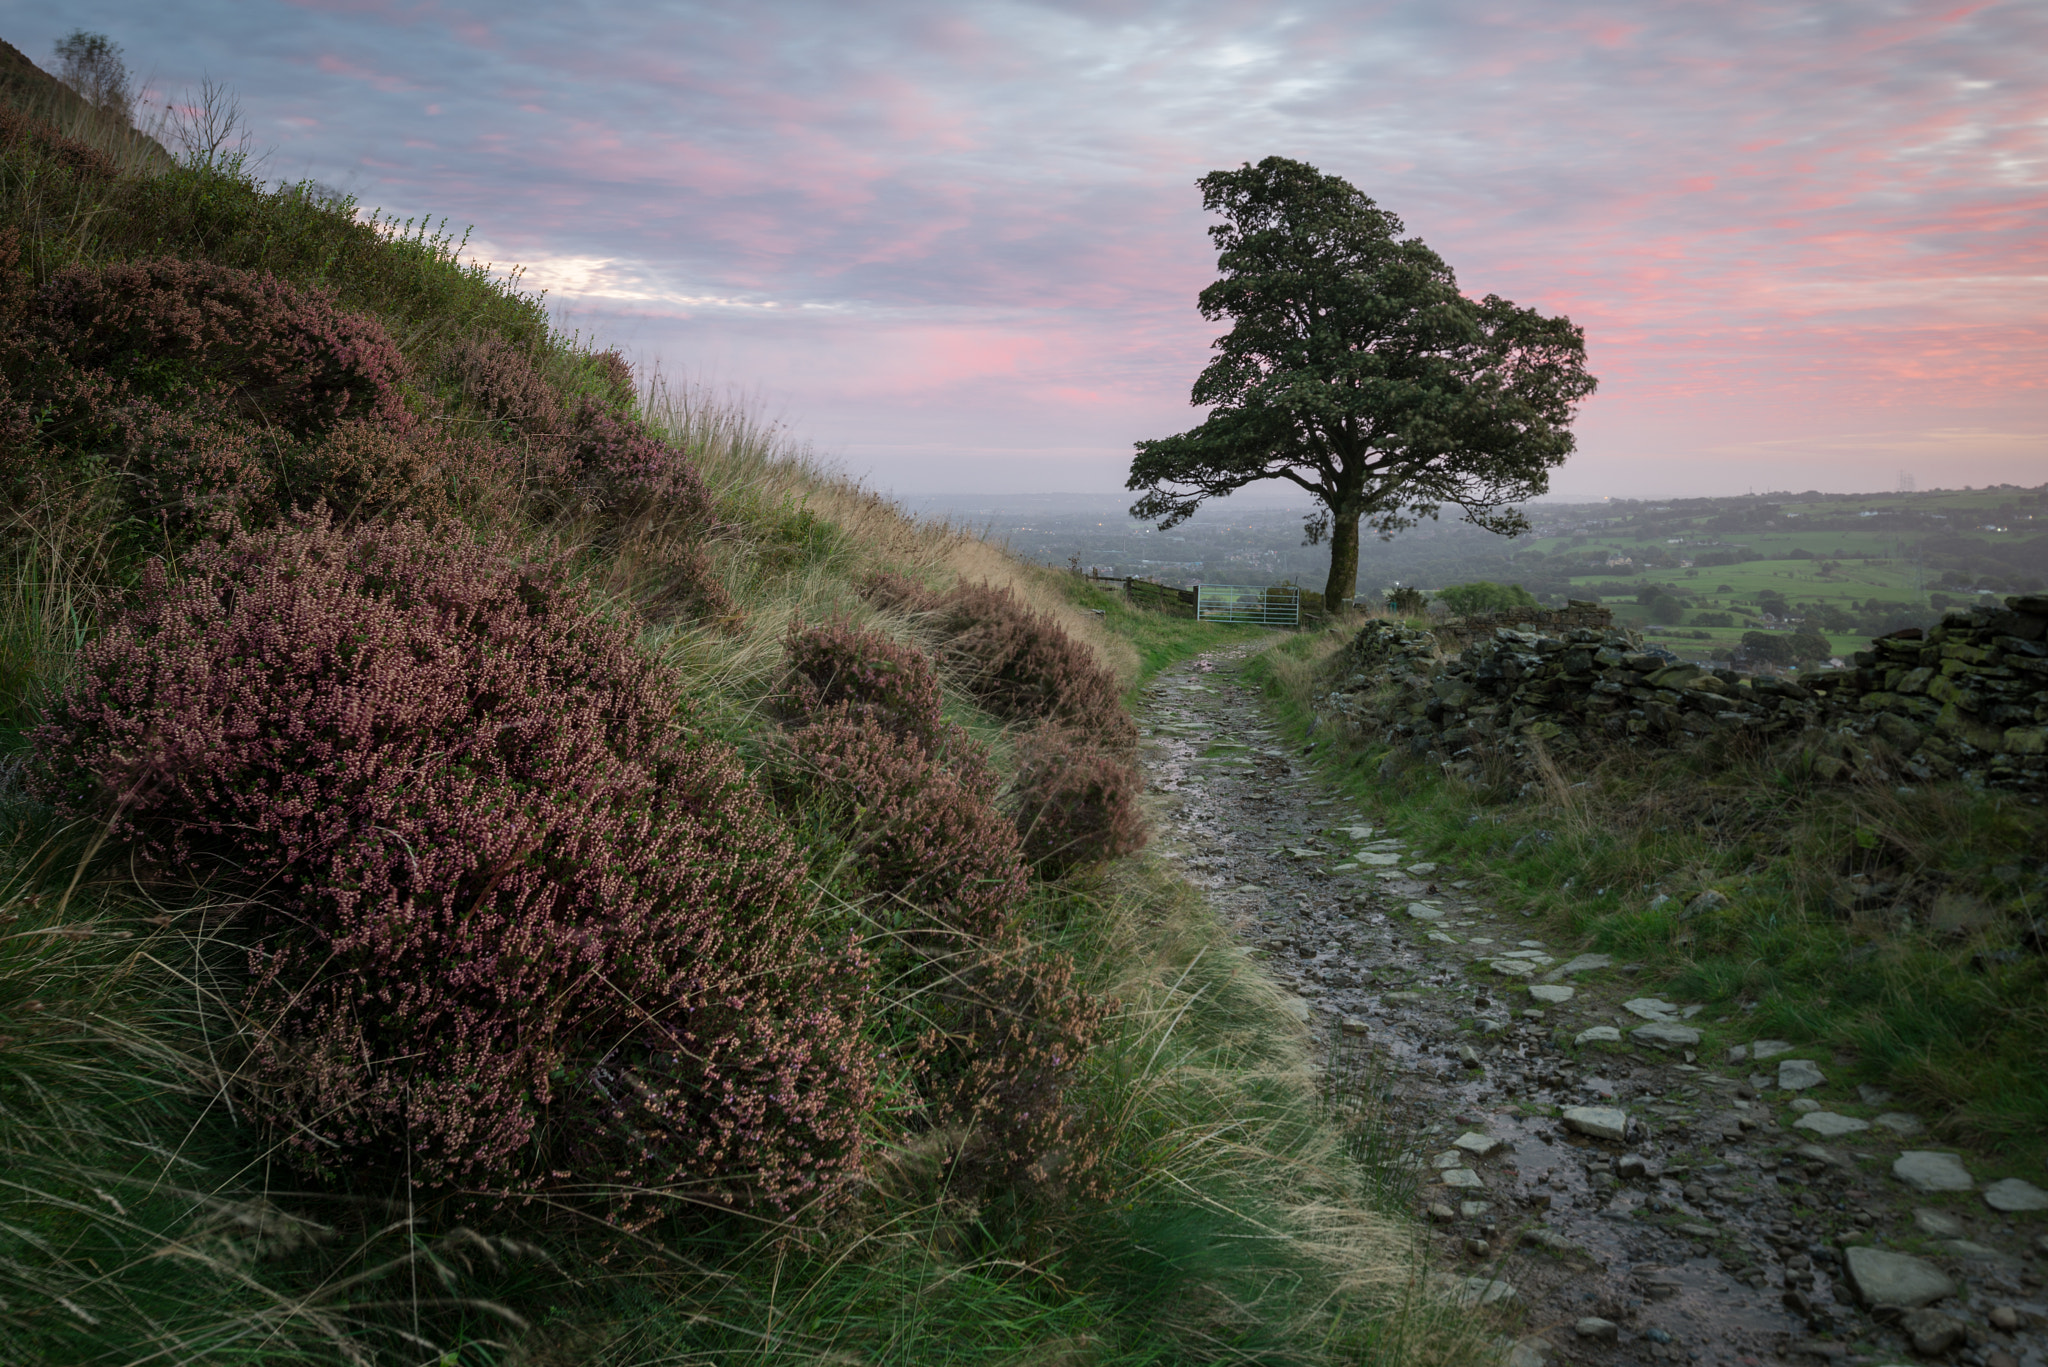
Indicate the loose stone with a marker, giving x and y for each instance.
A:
(1881, 1277)
(2012, 1195)
(1586, 963)
(1925, 1171)
(1768, 1048)
(1797, 1074)
(1593, 1327)
(1422, 911)
(1666, 1036)
(1479, 1145)
(1599, 1034)
(1828, 1125)
(1550, 992)
(1899, 1123)
(1650, 1008)
(1463, 1179)
(1600, 1122)
(1940, 1224)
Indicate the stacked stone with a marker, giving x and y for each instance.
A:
(1968, 699)
(1576, 613)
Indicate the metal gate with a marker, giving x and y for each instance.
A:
(1275, 606)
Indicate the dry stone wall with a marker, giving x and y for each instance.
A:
(1967, 700)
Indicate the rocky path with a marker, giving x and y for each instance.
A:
(1574, 1154)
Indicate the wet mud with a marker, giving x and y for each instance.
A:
(1710, 1231)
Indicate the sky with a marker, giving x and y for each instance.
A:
(955, 247)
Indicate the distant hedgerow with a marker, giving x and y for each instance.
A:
(1075, 805)
(508, 905)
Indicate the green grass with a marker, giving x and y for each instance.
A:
(1952, 1015)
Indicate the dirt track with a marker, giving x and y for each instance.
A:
(1713, 1233)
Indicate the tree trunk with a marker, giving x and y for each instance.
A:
(1343, 581)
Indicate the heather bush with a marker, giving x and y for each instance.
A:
(866, 677)
(1019, 664)
(1074, 804)
(508, 908)
(29, 139)
(178, 331)
(1011, 1029)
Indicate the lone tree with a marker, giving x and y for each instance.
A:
(1355, 368)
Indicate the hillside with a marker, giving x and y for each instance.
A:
(509, 862)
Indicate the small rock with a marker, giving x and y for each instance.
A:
(1926, 1171)
(1650, 1008)
(2004, 1318)
(1768, 1048)
(1422, 870)
(1514, 968)
(1478, 1248)
(1805, 1105)
(1932, 1332)
(2012, 1195)
(1586, 963)
(1599, 1034)
(1828, 1125)
(1797, 1074)
(1463, 1179)
(1880, 1277)
(1593, 1327)
(1296, 1007)
(1356, 1025)
(1938, 1223)
(1473, 1292)
(1738, 1053)
(1710, 900)
(1872, 1096)
(1900, 1123)
(1814, 1153)
(1441, 1213)
(1422, 911)
(1449, 1158)
(1632, 1165)
(1539, 1236)
(1977, 1253)
(1469, 1056)
(1479, 1145)
(1552, 993)
(1472, 1210)
(1533, 1351)
(1601, 1122)
(1698, 1231)
(1665, 1036)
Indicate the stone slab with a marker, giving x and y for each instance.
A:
(1552, 993)
(1422, 911)
(1828, 1125)
(1881, 1277)
(1650, 1008)
(2013, 1194)
(1900, 1123)
(1480, 1145)
(1664, 1035)
(1601, 1122)
(1586, 963)
(1463, 1179)
(1599, 1034)
(1768, 1048)
(1923, 1170)
(1797, 1074)
(1937, 1223)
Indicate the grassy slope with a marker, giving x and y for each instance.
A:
(1953, 1016)
(142, 1220)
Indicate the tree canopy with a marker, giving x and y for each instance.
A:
(1355, 369)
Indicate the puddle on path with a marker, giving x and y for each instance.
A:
(1721, 1248)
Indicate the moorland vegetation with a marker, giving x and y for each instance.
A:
(507, 862)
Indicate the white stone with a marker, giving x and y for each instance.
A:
(1553, 993)
(1938, 1223)
(1805, 1105)
(1423, 911)
(1479, 1145)
(1828, 1125)
(1601, 1122)
(1422, 870)
(1599, 1034)
(1449, 1158)
(1768, 1048)
(1514, 968)
(1797, 1074)
(1664, 1036)
(1295, 1007)
(1899, 1123)
(1881, 1277)
(2012, 1195)
(1586, 963)
(1923, 1170)
(1472, 1210)
(1593, 1327)
(1650, 1008)
(1464, 1179)
(1738, 1053)
(1379, 861)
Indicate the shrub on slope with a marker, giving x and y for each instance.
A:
(1075, 804)
(509, 908)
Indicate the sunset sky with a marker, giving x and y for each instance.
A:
(956, 246)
